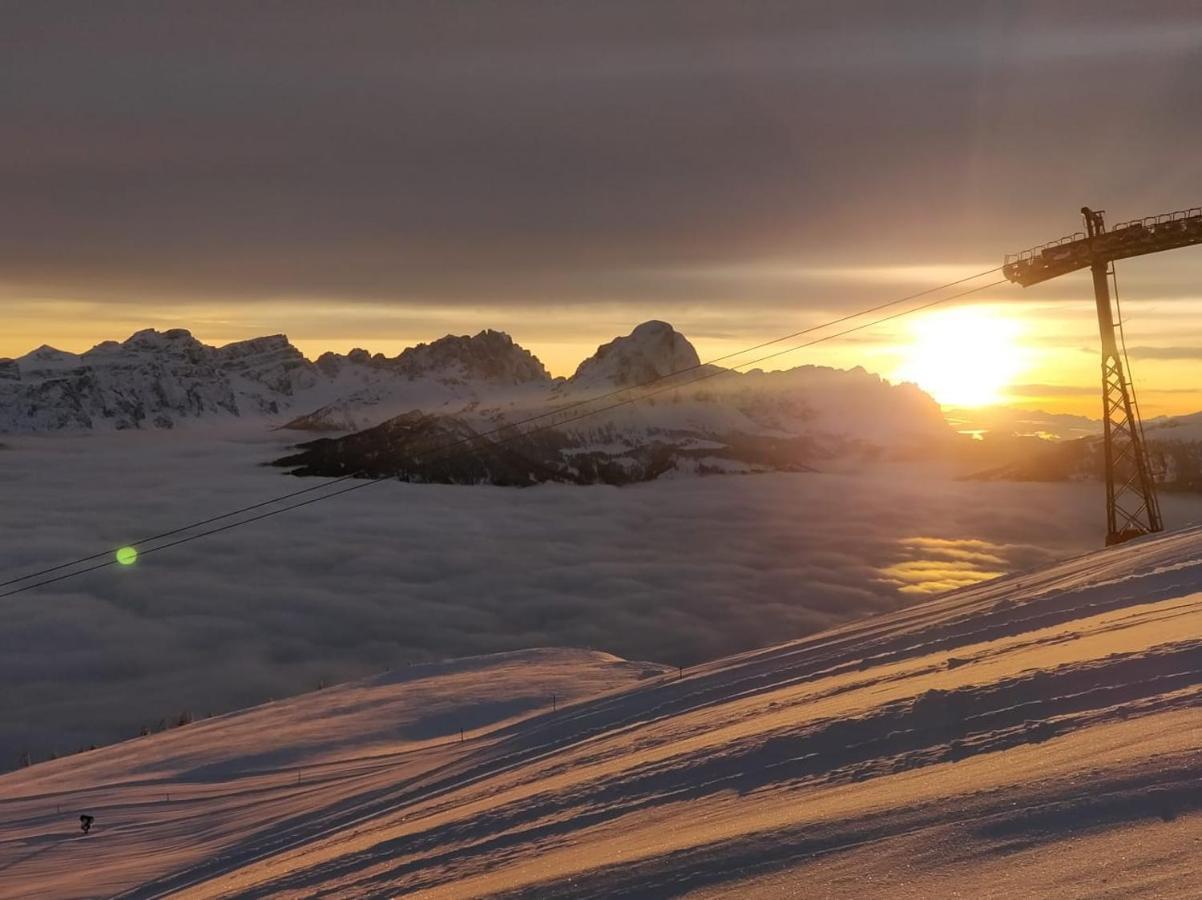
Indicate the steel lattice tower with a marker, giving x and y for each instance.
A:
(1131, 506)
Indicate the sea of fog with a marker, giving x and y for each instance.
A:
(678, 571)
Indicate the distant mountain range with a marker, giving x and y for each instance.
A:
(166, 379)
(1011, 421)
(393, 416)
(447, 411)
(1174, 447)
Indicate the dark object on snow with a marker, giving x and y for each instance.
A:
(85, 823)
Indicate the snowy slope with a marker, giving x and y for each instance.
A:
(408, 719)
(1036, 735)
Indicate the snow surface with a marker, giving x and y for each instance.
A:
(1036, 735)
(652, 350)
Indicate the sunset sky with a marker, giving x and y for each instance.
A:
(564, 171)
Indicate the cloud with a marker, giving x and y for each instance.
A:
(1191, 353)
(383, 174)
(531, 155)
(1052, 390)
(674, 571)
(935, 565)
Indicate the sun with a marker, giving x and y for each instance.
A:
(963, 357)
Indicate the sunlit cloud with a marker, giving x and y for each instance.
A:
(1190, 353)
(1052, 390)
(935, 565)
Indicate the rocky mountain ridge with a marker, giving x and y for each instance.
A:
(164, 379)
(470, 391)
(1174, 449)
(580, 432)
(491, 356)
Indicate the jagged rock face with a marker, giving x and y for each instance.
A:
(333, 363)
(271, 361)
(652, 350)
(490, 356)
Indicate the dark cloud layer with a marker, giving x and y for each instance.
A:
(540, 153)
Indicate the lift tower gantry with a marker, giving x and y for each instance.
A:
(1131, 507)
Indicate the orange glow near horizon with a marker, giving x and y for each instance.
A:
(964, 357)
(1038, 356)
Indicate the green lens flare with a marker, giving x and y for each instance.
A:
(127, 556)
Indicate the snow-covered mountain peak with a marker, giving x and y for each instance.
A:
(151, 379)
(652, 350)
(332, 363)
(46, 352)
(162, 379)
(270, 362)
(46, 358)
(272, 343)
(256, 354)
(173, 340)
(489, 356)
